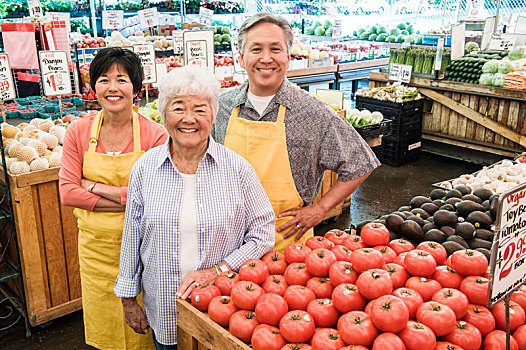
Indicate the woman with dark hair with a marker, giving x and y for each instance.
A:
(98, 154)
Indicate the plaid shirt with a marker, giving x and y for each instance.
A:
(235, 223)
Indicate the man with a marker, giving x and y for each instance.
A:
(288, 136)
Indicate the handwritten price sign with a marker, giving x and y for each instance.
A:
(7, 88)
(35, 9)
(146, 54)
(509, 252)
(148, 18)
(400, 72)
(112, 19)
(55, 72)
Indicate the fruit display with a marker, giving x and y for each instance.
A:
(403, 32)
(171, 62)
(221, 35)
(89, 95)
(87, 41)
(343, 291)
(319, 29)
(301, 50)
(150, 111)
(395, 92)
(160, 43)
(223, 59)
(225, 84)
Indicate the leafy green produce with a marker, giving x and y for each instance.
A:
(486, 79)
(471, 46)
(391, 38)
(381, 37)
(517, 53)
(490, 67)
(505, 66)
(373, 36)
(498, 80)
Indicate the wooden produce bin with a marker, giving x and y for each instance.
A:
(478, 117)
(196, 331)
(47, 239)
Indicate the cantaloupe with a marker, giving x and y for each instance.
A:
(29, 128)
(19, 168)
(39, 164)
(9, 131)
(39, 146)
(45, 125)
(50, 140)
(25, 140)
(35, 122)
(28, 154)
(15, 149)
(54, 160)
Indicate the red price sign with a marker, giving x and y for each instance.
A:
(7, 88)
(112, 19)
(4, 85)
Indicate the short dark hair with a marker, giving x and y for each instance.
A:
(264, 17)
(106, 58)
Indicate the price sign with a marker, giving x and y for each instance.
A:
(337, 29)
(199, 48)
(61, 16)
(205, 16)
(235, 56)
(55, 72)
(146, 54)
(7, 88)
(475, 8)
(35, 9)
(400, 72)
(178, 42)
(112, 19)
(148, 18)
(502, 41)
(508, 269)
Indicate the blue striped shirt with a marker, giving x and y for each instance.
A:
(235, 223)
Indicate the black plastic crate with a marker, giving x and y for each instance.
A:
(375, 130)
(398, 152)
(410, 130)
(397, 112)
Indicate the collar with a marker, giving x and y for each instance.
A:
(212, 152)
(284, 96)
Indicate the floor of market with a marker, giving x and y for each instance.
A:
(384, 191)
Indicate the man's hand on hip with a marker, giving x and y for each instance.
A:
(303, 219)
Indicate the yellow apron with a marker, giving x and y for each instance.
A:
(100, 235)
(264, 145)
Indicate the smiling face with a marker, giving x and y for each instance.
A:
(266, 58)
(188, 120)
(114, 90)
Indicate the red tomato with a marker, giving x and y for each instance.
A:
(480, 317)
(365, 259)
(455, 299)
(354, 347)
(242, 324)
(346, 298)
(469, 262)
(319, 261)
(389, 314)
(519, 296)
(297, 273)
(220, 309)
(317, 242)
(398, 274)
(327, 339)
(342, 253)
(321, 287)
(387, 253)
(440, 318)
(298, 297)
(202, 295)
(266, 337)
(297, 326)
(411, 299)
(496, 340)
(357, 328)
(465, 335)
(270, 308)
(297, 346)
(225, 281)
(520, 337)
(296, 252)
(275, 284)
(447, 277)
(435, 249)
(245, 294)
(400, 259)
(324, 312)
(354, 242)
(476, 289)
(368, 308)
(426, 287)
(374, 283)
(374, 234)
(448, 261)
(388, 341)
(517, 316)
(276, 263)
(444, 345)
(336, 236)
(401, 245)
(342, 272)
(420, 263)
(254, 270)
(417, 336)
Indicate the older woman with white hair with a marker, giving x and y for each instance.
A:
(194, 209)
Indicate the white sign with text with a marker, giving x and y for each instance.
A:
(35, 8)
(148, 18)
(400, 72)
(199, 48)
(205, 16)
(112, 19)
(177, 36)
(55, 72)
(146, 54)
(7, 87)
(61, 16)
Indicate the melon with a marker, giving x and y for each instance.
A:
(19, 168)
(45, 125)
(35, 122)
(15, 149)
(28, 154)
(25, 140)
(29, 128)
(9, 131)
(54, 160)
(39, 146)
(50, 140)
(39, 164)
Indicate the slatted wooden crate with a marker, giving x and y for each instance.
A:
(47, 239)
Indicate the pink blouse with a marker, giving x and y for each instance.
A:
(76, 143)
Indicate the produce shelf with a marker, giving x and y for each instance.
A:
(8, 271)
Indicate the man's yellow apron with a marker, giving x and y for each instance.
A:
(100, 235)
(264, 145)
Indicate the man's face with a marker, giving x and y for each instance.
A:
(266, 58)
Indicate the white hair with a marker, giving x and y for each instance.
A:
(188, 80)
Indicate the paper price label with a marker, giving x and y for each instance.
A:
(178, 42)
(148, 18)
(197, 53)
(337, 29)
(55, 72)
(112, 19)
(35, 9)
(61, 16)
(7, 88)
(235, 56)
(199, 48)
(146, 54)
(400, 72)
(502, 41)
(205, 16)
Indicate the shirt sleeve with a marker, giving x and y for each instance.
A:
(260, 221)
(70, 174)
(128, 283)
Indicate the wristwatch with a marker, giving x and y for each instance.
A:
(221, 268)
(90, 187)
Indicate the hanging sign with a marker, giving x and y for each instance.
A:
(507, 266)
(458, 38)
(61, 16)
(199, 48)
(148, 18)
(146, 54)
(400, 72)
(112, 19)
(502, 41)
(7, 88)
(205, 16)
(55, 72)
(177, 36)
(475, 9)
(35, 9)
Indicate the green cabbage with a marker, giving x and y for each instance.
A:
(491, 67)
(517, 53)
(486, 79)
(505, 67)
(499, 80)
(471, 46)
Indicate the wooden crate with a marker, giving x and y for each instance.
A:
(47, 238)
